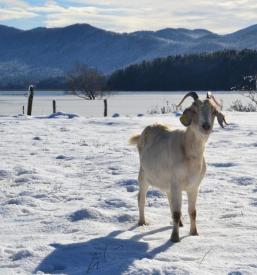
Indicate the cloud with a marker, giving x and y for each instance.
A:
(13, 3)
(221, 16)
(14, 9)
(15, 14)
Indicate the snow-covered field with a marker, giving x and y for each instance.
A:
(68, 200)
(126, 103)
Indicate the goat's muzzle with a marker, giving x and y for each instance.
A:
(206, 126)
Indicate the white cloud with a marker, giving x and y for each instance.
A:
(221, 15)
(14, 9)
(15, 14)
(14, 3)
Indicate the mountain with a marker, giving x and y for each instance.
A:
(46, 52)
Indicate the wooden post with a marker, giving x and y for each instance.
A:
(30, 100)
(105, 107)
(54, 106)
(23, 110)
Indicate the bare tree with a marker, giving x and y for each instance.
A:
(251, 88)
(247, 87)
(86, 82)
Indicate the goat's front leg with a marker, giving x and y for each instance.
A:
(192, 196)
(169, 198)
(176, 198)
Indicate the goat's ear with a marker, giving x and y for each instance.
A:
(221, 119)
(186, 117)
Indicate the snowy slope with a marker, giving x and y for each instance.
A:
(68, 200)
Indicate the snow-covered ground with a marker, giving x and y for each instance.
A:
(126, 103)
(68, 200)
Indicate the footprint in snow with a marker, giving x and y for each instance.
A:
(131, 188)
(4, 174)
(127, 182)
(130, 184)
(114, 170)
(254, 203)
(63, 129)
(205, 190)
(251, 133)
(21, 255)
(115, 203)
(243, 180)
(22, 180)
(23, 201)
(62, 157)
(155, 193)
(85, 214)
(27, 178)
(222, 164)
(22, 171)
(126, 218)
(229, 216)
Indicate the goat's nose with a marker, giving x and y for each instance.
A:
(206, 126)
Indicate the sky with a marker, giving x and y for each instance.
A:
(220, 16)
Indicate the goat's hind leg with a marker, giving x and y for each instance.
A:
(143, 187)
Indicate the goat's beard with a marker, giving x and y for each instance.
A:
(204, 133)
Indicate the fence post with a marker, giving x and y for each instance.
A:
(105, 107)
(54, 106)
(23, 110)
(30, 100)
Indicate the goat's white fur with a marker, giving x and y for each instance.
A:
(173, 161)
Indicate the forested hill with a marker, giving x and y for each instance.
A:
(30, 56)
(210, 71)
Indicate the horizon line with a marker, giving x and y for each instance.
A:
(121, 32)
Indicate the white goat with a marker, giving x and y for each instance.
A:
(173, 160)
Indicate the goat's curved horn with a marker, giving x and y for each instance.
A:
(210, 96)
(194, 95)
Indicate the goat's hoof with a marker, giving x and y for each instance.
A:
(194, 233)
(141, 223)
(175, 237)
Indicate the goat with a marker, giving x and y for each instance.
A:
(173, 160)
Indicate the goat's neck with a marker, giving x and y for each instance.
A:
(194, 144)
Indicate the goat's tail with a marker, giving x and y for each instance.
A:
(134, 139)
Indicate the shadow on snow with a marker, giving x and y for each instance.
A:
(104, 255)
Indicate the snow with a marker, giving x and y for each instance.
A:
(126, 103)
(69, 200)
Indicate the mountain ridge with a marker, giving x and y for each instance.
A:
(46, 52)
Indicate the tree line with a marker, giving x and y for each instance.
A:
(221, 70)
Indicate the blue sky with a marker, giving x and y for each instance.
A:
(221, 16)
